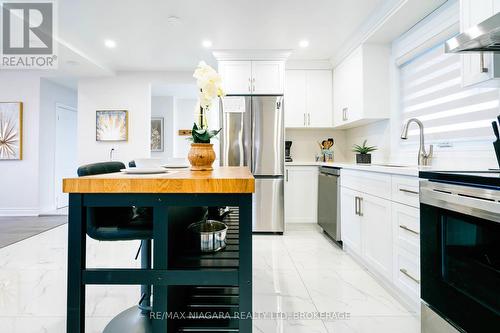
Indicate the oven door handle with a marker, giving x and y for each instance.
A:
(478, 202)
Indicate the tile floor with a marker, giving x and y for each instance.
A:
(301, 272)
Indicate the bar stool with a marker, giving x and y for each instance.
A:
(131, 223)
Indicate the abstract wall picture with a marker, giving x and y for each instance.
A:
(11, 131)
(157, 140)
(112, 125)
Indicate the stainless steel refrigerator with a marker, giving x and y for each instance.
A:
(253, 135)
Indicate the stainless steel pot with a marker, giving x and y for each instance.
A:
(209, 234)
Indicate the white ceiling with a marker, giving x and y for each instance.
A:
(147, 41)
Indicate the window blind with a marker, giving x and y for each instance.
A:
(431, 91)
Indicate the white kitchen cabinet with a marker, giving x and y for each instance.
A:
(367, 229)
(361, 87)
(301, 199)
(477, 68)
(295, 98)
(308, 98)
(268, 77)
(236, 76)
(350, 220)
(376, 227)
(252, 77)
(380, 221)
(319, 98)
(406, 227)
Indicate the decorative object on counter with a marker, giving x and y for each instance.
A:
(363, 155)
(208, 235)
(157, 141)
(288, 157)
(202, 155)
(496, 143)
(326, 154)
(11, 131)
(112, 125)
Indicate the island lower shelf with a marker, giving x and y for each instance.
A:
(205, 308)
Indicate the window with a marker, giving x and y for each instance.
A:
(431, 91)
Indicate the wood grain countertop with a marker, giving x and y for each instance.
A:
(220, 180)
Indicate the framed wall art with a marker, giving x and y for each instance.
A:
(11, 130)
(157, 136)
(112, 125)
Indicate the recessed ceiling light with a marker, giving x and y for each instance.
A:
(304, 43)
(173, 20)
(109, 43)
(207, 43)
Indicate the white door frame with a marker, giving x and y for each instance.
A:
(54, 179)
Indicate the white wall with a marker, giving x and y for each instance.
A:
(125, 92)
(50, 95)
(183, 119)
(377, 134)
(163, 106)
(19, 182)
(305, 143)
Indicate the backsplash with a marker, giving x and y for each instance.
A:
(386, 135)
(305, 143)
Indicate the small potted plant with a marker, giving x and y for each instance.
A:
(363, 155)
(202, 154)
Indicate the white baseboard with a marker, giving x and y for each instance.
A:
(19, 211)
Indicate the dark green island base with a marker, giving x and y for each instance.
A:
(176, 273)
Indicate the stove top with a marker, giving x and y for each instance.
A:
(481, 178)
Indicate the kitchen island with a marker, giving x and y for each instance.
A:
(172, 273)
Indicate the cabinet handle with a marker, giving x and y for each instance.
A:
(405, 272)
(482, 69)
(408, 229)
(408, 191)
(249, 85)
(304, 119)
(360, 211)
(253, 84)
(356, 205)
(344, 114)
(309, 119)
(286, 175)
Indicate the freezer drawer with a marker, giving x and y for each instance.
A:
(268, 205)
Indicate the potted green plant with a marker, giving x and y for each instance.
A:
(202, 154)
(363, 155)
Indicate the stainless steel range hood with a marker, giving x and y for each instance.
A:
(484, 37)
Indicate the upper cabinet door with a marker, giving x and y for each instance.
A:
(479, 67)
(236, 76)
(295, 98)
(267, 77)
(319, 98)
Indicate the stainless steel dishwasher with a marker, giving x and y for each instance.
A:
(329, 202)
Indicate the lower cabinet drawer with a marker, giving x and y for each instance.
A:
(374, 183)
(405, 190)
(406, 226)
(407, 273)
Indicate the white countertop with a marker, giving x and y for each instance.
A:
(396, 170)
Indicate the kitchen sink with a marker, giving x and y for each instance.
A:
(393, 165)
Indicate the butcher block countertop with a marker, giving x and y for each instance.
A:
(220, 180)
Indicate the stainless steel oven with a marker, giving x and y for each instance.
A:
(460, 253)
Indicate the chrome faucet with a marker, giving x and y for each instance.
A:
(423, 157)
